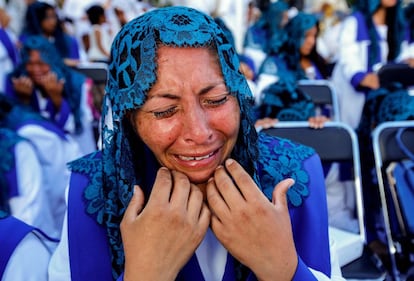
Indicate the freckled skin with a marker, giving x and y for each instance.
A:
(188, 79)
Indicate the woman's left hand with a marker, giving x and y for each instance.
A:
(53, 88)
(255, 231)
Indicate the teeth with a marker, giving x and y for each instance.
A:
(186, 158)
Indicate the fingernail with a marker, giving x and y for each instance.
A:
(291, 182)
(136, 188)
(229, 161)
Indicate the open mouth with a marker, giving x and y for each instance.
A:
(196, 158)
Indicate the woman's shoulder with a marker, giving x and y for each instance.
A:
(281, 158)
(273, 148)
(87, 165)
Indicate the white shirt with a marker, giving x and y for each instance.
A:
(31, 204)
(53, 154)
(29, 260)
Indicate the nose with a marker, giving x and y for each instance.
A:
(196, 125)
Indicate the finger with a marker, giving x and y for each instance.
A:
(181, 189)
(216, 202)
(242, 179)
(205, 218)
(195, 202)
(135, 205)
(228, 188)
(162, 188)
(279, 196)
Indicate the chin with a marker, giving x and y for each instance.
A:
(200, 178)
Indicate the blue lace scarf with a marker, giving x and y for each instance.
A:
(287, 44)
(269, 24)
(283, 99)
(125, 160)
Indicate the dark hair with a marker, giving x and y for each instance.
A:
(409, 16)
(94, 13)
(35, 14)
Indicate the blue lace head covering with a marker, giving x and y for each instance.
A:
(287, 44)
(272, 17)
(396, 27)
(73, 79)
(132, 72)
(268, 24)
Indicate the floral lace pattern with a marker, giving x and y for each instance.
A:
(281, 159)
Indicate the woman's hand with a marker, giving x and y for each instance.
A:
(318, 122)
(265, 123)
(23, 86)
(371, 80)
(160, 238)
(255, 231)
(53, 88)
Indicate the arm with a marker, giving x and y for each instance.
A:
(99, 42)
(353, 52)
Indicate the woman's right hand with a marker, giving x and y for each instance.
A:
(159, 239)
(23, 87)
(371, 80)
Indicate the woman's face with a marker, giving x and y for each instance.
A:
(50, 22)
(36, 68)
(189, 120)
(308, 41)
(388, 3)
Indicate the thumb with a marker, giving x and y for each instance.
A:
(136, 204)
(280, 190)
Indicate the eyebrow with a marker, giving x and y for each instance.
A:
(175, 97)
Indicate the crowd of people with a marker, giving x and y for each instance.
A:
(179, 182)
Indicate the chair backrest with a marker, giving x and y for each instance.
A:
(96, 71)
(385, 145)
(387, 150)
(322, 93)
(396, 72)
(335, 142)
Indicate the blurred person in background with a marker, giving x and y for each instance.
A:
(42, 19)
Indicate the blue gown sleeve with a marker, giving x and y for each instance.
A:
(310, 225)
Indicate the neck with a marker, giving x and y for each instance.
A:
(380, 16)
(203, 188)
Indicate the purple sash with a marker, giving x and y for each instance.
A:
(11, 50)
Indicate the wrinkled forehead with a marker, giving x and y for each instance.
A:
(133, 65)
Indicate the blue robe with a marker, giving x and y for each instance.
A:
(89, 251)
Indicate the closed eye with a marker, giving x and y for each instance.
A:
(165, 113)
(213, 102)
